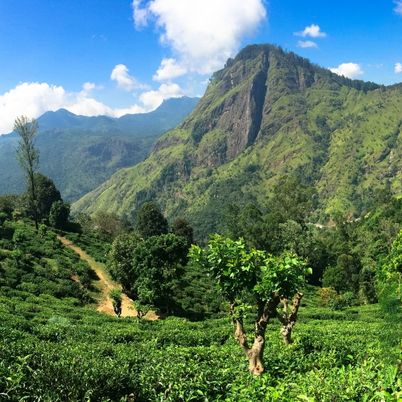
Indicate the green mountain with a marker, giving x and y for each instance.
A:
(266, 115)
(79, 153)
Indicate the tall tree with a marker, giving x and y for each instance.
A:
(150, 221)
(46, 194)
(28, 158)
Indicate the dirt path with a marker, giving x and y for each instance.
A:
(105, 284)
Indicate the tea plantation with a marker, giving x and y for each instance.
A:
(54, 346)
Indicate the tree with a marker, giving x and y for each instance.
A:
(389, 276)
(8, 203)
(121, 258)
(108, 224)
(28, 158)
(59, 213)
(46, 193)
(244, 273)
(181, 227)
(147, 268)
(150, 221)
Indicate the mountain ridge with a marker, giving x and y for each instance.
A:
(80, 152)
(266, 115)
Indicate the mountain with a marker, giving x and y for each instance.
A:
(79, 152)
(266, 115)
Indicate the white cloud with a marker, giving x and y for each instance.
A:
(30, 99)
(398, 6)
(169, 69)
(140, 14)
(398, 68)
(152, 99)
(88, 86)
(120, 74)
(313, 31)
(33, 99)
(350, 70)
(306, 44)
(202, 33)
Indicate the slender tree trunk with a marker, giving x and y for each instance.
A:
(34, 203)
(288, 318)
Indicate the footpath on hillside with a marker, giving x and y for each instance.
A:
(105, 284)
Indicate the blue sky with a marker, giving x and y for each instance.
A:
(118, 56)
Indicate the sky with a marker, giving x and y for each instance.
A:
(112, 57)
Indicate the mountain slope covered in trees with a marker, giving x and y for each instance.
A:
(79, 153)
(266, 115)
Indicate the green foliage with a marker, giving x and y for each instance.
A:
(8, 203)
(121, 258)
(35, 262)
(107, 224)
(59, 214)
(238, 269)
(181, 227)
(147, 268)
(56, 350)
(389, 289)
(46, 193)
(327, 296)
(150, 221)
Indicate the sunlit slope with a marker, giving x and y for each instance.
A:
(267, 114)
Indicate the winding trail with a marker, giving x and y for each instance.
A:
(105, 284)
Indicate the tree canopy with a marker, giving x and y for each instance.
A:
(150, 221)
(244, 273)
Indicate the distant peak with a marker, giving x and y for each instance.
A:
(58, 112)
(64, 112)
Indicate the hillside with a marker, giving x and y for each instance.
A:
(79, 153)
(55, 346)
(266, 115)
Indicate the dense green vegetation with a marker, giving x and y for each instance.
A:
(315, 308)
(53, 349)
(267, 115)
(54, 346)
(35, 262)
(79, 153)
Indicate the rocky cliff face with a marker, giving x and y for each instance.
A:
(267, 114)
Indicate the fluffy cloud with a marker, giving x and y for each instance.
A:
(306, 44)
(152, 99)
(398, 6)
(168, 70)
(350, 70)
(202, 33)
(312, 31)
(398, 68)
(33, 99)
(120, 74)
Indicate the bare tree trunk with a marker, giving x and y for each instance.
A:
(288, 318)
(255, 354)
